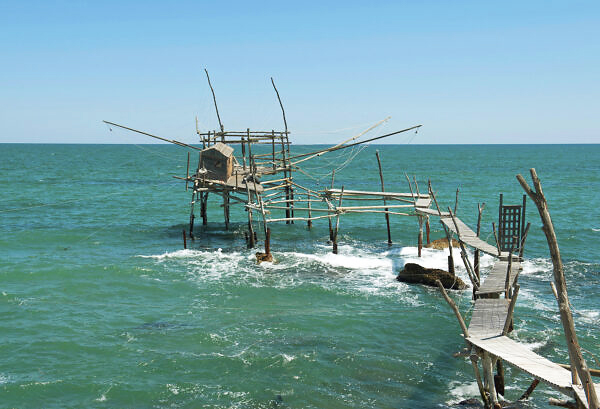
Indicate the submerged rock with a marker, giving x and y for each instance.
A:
(441, 244)
(260, 257)
(416, 274)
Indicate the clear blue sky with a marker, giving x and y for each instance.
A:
(469, 71)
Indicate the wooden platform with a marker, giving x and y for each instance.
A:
(495, 282)
(527, 361)
(489, 317)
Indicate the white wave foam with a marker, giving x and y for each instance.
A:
(355, 268)
(461, 391)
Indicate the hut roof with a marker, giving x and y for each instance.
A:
(220, 147)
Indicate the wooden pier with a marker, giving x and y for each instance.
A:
(487, 333)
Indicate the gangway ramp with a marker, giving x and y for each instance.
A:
(495, 282)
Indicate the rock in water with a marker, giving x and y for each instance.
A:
(260, 257)
(414, 273)
(441, 244)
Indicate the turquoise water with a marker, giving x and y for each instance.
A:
(101, 307)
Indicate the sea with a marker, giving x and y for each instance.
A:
(102, 307)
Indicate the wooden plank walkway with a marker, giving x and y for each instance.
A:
(468, 236)
(527, 361)
(489, 317)
(495, 282)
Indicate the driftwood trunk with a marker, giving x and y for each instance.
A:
(577, 360)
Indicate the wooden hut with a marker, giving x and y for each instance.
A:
(218, 161)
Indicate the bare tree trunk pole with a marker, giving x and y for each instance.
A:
(577, 360)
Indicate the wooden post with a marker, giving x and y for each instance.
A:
(484, 397)
(529, 390)
(446, 230)
(489, 375)
(523, 238)
(192, 216)
(226, 209)
(511, 309)
(476, 261)
(387, 216)
(273, 149)
(427, 230)
(268, 241)
(496, 238)
(499, 377)
(575, 355)
(309, 222)
(184, 240)
(337, 224)
(329, 218)
(203, 207)
(459, 317)
(509, 268)
(187, 172)
(456, 202)
(420, 240)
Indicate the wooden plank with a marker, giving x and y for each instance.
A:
(423, 202)
(429, 212)
(468, 236)
(495, 282)
(581, 393)
(489, 317)
(527, 361)
(365, 193)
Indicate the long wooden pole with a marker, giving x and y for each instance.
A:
(566, 317)
(387, 216)
(215, 100)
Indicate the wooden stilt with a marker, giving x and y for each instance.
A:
(268, 241)
(329, 219)
(226, 209)
(337, 224)
(476, 256)
(420, 241)
(309, 222)
(427, 230)
(203, 206)
(499, 377)
(530, 390)
(387, 216)
(184, 240)
(489, 375)
(484, 397)
(192, 217)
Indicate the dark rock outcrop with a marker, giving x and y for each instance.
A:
(416, 274)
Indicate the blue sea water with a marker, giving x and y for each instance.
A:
(100, 306)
